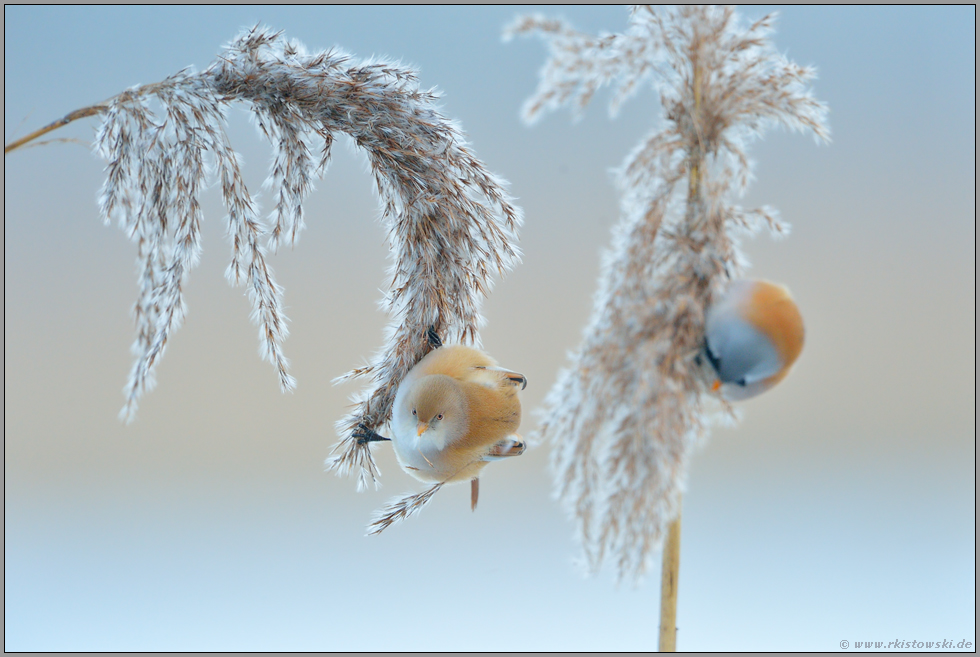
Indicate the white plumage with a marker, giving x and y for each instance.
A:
(454, 412)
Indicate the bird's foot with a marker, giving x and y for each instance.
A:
(365, 435)
(511, 446)
(515, 378)
(434, 341)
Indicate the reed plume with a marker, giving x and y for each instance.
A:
(401, 508)
(451, 224)
(628, 412)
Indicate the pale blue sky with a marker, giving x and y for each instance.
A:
(842, 507)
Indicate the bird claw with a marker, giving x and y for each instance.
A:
(518, 378)
(434, 341)
(513, 377)
(513, 446)
(365, 435)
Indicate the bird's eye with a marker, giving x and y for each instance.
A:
(413, 411)
(439, 417)
(741, 382)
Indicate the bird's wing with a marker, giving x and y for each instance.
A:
(493, 414)
(457, 361)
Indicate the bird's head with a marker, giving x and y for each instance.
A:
(438, 405)
(753, 334)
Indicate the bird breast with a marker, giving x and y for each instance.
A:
(455, 448)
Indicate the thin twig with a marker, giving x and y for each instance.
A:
(54, 125)
(58, 140)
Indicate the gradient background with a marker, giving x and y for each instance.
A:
(842, 506)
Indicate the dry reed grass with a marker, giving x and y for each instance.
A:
(451, 224)
(626, 415)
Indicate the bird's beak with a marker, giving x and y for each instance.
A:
(423, 427)
(716, 385)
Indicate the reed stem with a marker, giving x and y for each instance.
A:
(668, 587)
(670, 570)
(54, 125)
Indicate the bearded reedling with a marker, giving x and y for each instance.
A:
(753, 335)
(454, 412)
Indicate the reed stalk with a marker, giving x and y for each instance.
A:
(633, 405)
(669, 574)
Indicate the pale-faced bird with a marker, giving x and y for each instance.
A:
(454, 412)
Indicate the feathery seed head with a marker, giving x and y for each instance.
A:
(626, 415)
(451, 223)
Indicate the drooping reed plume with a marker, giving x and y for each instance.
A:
(452, 225)
(626, 415)
(401, 508)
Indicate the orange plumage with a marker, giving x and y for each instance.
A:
(455, 411)
(753, 335)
